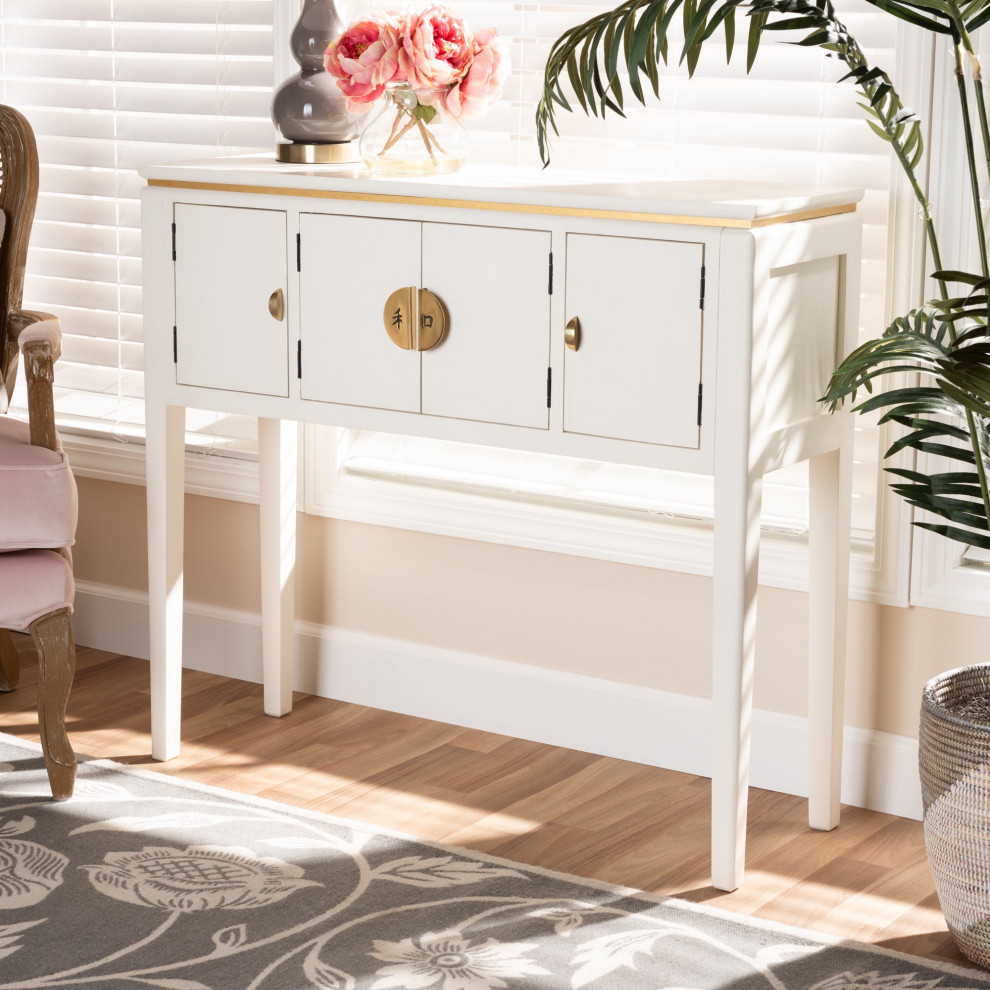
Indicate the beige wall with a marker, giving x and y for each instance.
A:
(617, 621)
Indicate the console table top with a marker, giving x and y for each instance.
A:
(708, 202)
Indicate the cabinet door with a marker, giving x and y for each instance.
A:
(492, 364)
(636, 371)
(228, 262)
(350, 266)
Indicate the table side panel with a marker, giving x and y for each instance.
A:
(802, 349)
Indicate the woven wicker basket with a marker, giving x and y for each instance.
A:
(954, 752)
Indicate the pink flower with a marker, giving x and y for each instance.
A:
(482, 83)
(436, 48)
(364, 58)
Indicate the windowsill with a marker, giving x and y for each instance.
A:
(642, 539)
(122, 461)
(639, 538)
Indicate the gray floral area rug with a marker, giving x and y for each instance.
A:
(142, 881)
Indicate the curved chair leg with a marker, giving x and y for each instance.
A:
(10, 664)
(52, 635)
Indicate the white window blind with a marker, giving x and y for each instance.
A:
(109, 85)
(788, 121)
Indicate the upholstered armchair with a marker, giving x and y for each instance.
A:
(37, 492)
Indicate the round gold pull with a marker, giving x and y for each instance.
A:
(572, 333)
(276, 305)
(414, 319)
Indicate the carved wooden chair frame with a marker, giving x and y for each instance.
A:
(52, 633)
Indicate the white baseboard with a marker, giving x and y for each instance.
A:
(644, 725)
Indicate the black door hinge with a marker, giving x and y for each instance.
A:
(549, 385)
(701, 302)
(699, 402)
(550, 282)
(299, 359)
(173, 241)
(175, 345)
(298, 252)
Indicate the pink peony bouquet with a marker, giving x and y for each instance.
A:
(432, 51)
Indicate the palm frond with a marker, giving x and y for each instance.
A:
(955, 372)
(954, 497)
(636, 32)
(915, 341)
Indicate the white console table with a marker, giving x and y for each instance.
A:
(709, 316)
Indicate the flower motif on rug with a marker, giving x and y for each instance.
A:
(28, 872)
(450, 959)
(440, 871)
(600, 956)
(197, 878)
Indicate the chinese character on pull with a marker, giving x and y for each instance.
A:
(397, 319)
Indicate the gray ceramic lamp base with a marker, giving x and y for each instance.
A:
(335, 153)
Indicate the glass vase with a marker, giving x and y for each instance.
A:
(412, 134)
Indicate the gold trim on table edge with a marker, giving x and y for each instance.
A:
(468, 204)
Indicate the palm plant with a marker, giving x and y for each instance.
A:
(945, 343)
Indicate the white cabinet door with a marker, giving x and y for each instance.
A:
(492, 364)
(349, 268)
(228, 262)
(636, 372)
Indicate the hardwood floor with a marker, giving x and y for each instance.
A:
(620, 822)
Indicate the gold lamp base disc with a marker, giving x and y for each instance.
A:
(341, 153)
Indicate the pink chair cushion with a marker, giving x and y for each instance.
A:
(38, 503)
(32, 584)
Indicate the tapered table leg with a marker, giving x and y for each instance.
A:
(738, 496)
(165, 452)
(277, 440)
(828, 601)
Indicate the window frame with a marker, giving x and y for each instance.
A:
(944, 574)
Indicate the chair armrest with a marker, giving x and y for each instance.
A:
(17, 322)
(42, 328)
(21, 320)
(40, 338)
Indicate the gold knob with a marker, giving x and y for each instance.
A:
(572, 333)
(414, 319)
(276, 305)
